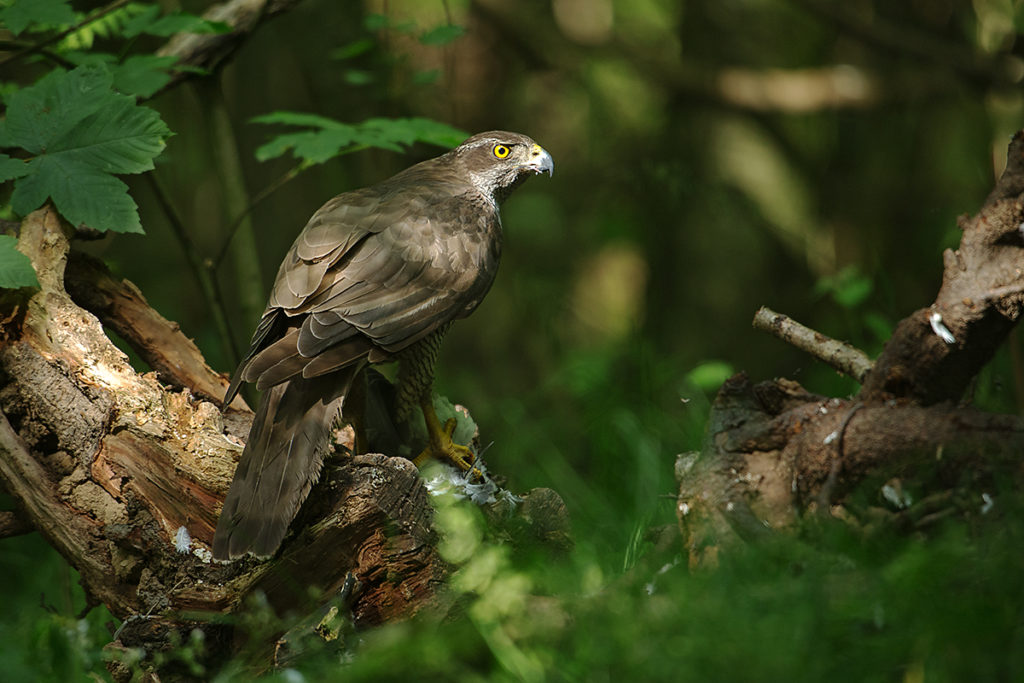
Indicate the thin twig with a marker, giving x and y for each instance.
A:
(292, 174)
(204, 275)
(49, 54)
(36, 47)
(839, 355)
(260, 196)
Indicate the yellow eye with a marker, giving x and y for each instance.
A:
(501, 151)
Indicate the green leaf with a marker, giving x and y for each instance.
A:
(139, 75)
(94, 199)
(330, 138)
(105, 25)
(442, 35)
(15, 268)
(709, 376)
(298, 118)
(143, 75)
(353, 49)
(313, 148)
(81, 132)
(40, 14)
(144, 18)
(12, 168)
(413, 130)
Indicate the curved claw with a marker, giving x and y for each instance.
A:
(440, 445)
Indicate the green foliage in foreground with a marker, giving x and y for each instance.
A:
(830, 604)
(80, 133)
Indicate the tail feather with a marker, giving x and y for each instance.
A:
(280, 463)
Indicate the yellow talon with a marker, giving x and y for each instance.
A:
(440, 445)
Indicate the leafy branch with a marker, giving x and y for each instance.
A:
(27, 12)
(79, 133)
(80, 126)
(326, 139)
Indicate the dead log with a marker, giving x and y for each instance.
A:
(773, 451)
(124, 472)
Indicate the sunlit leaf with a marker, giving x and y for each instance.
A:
(105, 25)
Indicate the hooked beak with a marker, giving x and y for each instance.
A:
(540, 161)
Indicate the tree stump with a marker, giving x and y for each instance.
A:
(774, 451)
(124, 472)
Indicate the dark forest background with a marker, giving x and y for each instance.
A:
(711, 157)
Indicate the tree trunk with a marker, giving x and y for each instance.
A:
(774, 451)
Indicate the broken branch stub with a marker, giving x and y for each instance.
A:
(125, 476)
(774, 451)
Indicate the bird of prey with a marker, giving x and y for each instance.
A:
(377, 274)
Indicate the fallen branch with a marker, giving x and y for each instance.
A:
(839, 355)
(121, 307)
(125, 476)
(775, 451)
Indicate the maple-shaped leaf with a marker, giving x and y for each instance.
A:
(80, 133)
(328, 138)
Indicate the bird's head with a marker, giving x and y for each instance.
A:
(498, 161)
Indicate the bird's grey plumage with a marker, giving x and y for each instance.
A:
(373, 273)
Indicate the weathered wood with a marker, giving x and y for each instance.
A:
(121, 307)
(839, 355)
(775, 451)
(979, 302)
(125, 475)
(208, 52)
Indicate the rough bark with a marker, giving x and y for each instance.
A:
(979, 302)
(124, 472)
(774, 451)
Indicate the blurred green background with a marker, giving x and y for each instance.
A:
(711, 157)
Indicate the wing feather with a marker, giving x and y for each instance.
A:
(374, 270)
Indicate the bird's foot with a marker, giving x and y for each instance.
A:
(441, 447)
